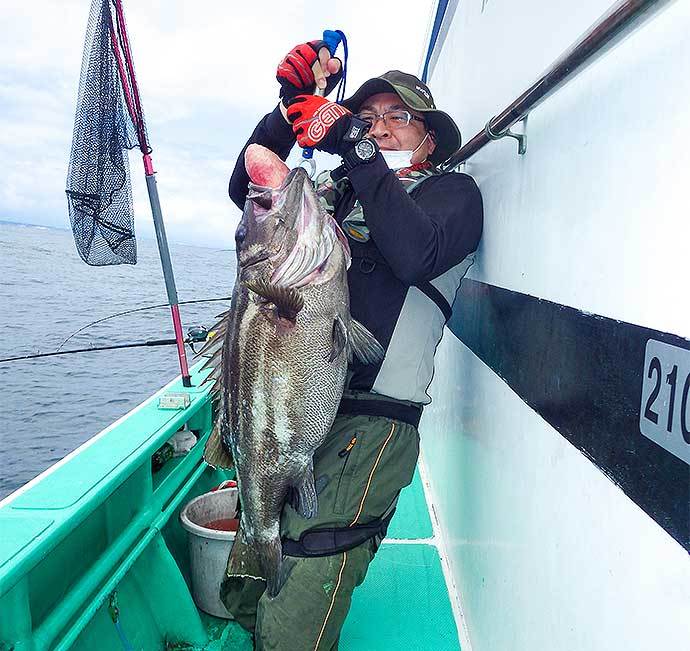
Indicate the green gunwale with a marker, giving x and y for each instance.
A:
(79, 528)
(101, 524)
(47, 510)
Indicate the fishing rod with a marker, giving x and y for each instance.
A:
(139, 309)
(133, 102)
(195, 335)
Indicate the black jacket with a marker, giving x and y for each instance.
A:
(415, 237)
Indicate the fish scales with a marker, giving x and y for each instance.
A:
(283, 363)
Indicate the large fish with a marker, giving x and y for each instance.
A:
(281, 353)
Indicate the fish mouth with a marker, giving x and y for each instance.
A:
(297, 171)
(252, 262)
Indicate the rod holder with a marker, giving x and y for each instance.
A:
(520, 137)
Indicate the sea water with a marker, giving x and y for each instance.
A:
(50, 406)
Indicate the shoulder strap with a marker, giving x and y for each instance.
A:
(431, 292)
(371, 257)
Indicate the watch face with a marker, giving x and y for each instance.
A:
(365, 149)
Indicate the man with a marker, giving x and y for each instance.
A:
(411, 230)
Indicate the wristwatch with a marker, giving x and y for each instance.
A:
(363, 152)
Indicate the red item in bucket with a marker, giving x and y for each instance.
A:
(228, 483)
(223, 524)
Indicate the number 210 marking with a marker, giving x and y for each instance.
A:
(665, 404)
(650, 414)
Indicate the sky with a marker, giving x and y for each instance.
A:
(206, 73)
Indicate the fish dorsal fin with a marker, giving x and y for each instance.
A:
(216, 453)
(363, 344)
(288, 301)
(340, 338)
(213, 348)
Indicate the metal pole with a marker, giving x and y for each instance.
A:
(133, 103)
(621, 18)
(166, 263)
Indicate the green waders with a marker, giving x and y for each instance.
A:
(359, 472)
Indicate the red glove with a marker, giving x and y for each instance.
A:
(295, 74)
(318, 122)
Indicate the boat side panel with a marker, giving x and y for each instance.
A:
(556, 544)
(95, 534)
(547, 552)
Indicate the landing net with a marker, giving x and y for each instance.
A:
(109, 121)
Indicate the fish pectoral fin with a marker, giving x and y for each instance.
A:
(288, 301)
(215, 454)
(303, 496)
(340, 338)
(363, 344)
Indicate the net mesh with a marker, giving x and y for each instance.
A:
(108, 122)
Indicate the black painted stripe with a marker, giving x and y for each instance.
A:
(583, 374)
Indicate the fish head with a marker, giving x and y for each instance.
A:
(268, 229)
(285, 236)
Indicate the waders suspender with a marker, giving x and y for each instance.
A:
(370, 259)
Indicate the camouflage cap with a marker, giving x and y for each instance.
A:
(416, 95)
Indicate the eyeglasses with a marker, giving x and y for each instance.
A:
(392, 119)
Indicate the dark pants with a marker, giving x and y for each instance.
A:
(359, 471)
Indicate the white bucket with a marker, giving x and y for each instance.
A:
(209, 548)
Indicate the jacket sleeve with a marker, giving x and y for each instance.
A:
(424, 234)
(274, 133)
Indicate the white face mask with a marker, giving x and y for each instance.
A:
(399, 159)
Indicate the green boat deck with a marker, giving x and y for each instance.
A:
(402, 604)
(92, 554)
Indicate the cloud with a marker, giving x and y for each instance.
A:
(206, 74)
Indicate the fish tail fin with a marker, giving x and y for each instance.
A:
(271, 562)
(215, 453)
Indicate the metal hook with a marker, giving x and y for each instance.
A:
(520, 137)
(310, 164)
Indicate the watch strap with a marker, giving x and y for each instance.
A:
(352, 160)
(356, 130)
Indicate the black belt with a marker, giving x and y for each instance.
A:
(409, 414)
(333, 540)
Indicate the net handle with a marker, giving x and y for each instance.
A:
(127, 75)
(123, 54)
